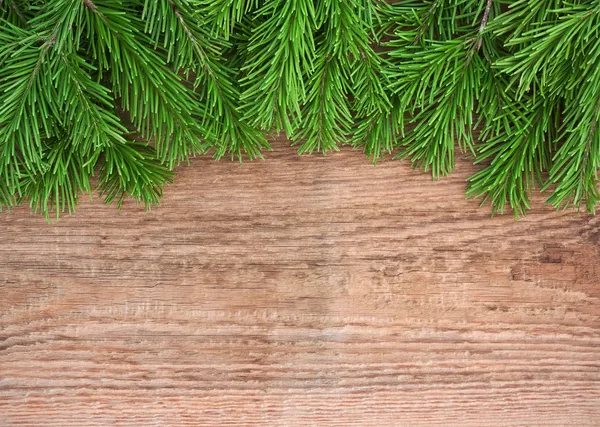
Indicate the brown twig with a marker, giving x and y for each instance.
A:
(89, 4)
(484, 21)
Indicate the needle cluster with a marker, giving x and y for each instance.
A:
(112, 95)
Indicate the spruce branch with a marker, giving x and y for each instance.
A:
(13, 12)
(7, 199)
(440, 99)
(541, 54)
(426, 20)
(225, 14)
(484, 21)
(280, 55)
(21, 78)
(377, 132)
(438, 79)
(369, 85)
(127, 168)
(127, 89)
(57, 188)
(350, 69)
(85, 106)
(192, 49)
(519, 155)
(25, 82)
(575, 169)
(162, 108)
(327, 118)
(522, 16)
(132, 169)
(541, 60)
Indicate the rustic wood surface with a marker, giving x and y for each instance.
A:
(301, 291)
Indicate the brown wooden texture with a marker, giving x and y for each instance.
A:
(301, 291)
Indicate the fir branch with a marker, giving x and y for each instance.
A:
(378, 116)
(438, 82)
(542, 56)
(225, 14)
(575, 169)
(7, 199)
(21, 78)
(25, 82)
(81, 81)
(519, 155)
(132, 169)
(192, 48)
(376, 110)
(441, 98)
(377, 132)
(280, 53)
(57, 188)
(484, 21)
(426, 20)
(346, 65)
(523, 16)
(127, 168)
(326, 119)
(326, 116)
(85, 106)
(13, 12)
(162, 108)
(369, 85)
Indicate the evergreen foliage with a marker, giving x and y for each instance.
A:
(114, 94)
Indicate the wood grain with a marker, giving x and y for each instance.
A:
(301, 291)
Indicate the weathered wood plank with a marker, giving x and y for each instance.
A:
(301, 291)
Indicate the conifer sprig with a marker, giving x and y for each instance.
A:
(280, 53)
(346, 82)
(161, 107)
(519, 155)
(125, 90)
(326, 117)
(192, 49)
(436, 72)
(224, 15)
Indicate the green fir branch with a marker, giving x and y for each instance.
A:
(125, 90)
(192, 49)
(326, 117)
(280, 54)
(57, 188)
(163, 109)
(133, 170)
(225, 14)
(518, 156)
(575, 166)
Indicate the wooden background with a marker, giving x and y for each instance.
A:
(301, 291)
